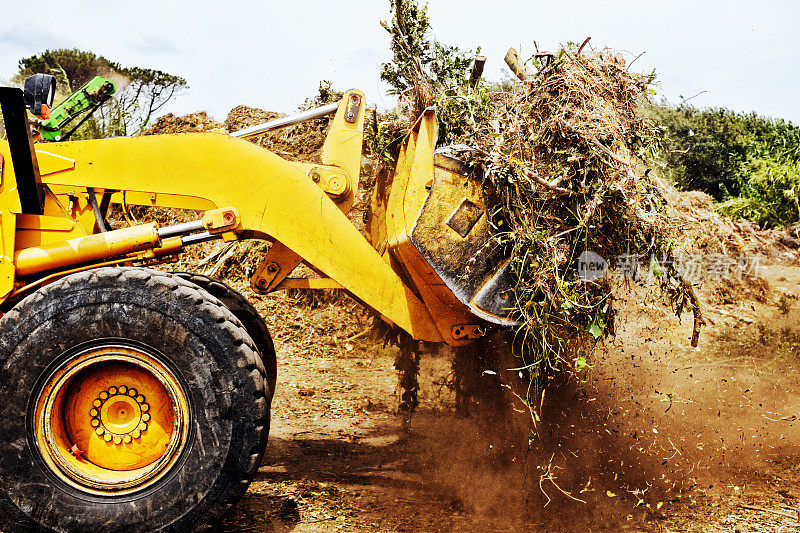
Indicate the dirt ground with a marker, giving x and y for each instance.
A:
(654, 435)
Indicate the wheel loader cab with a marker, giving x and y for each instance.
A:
(14, 104)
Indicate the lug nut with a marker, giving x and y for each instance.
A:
(97, 421)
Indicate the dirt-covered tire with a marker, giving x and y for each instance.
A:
(93, 337)
(252, 321)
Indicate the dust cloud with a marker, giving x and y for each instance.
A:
(652, 427)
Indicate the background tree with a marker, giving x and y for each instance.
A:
(749, 163)
(141, 92)
(417, 56)
(425, 72)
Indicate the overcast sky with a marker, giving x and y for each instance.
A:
(743, 55)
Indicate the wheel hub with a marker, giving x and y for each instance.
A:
(111, 419)
(119, 414)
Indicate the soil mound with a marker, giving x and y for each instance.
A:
(694, 223)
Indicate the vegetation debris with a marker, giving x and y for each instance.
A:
(560, 154)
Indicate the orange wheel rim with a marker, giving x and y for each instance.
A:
(112, 419)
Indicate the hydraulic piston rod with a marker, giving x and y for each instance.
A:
(108, 244)
(180, 229)
(86, 249)
(284, 122)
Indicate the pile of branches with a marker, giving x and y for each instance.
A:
(560, 153)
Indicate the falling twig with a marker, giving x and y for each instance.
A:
(548, 476)
(544, 183)
(773, 511)
(696, 311)
(694, 96)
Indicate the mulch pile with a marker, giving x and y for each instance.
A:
(297, 143)
(302, 142)
(195, 122)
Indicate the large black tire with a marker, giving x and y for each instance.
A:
(246, 313)
(204, 345)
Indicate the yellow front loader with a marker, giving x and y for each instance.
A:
(135, 399)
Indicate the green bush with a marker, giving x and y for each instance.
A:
(749, 163)
(769, 195)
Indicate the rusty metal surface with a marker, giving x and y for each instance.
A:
(464, 218)
(456, 237)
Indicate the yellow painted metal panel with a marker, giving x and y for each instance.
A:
(51, 163)
(272, 196)
(8, 199)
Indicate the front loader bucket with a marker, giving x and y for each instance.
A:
(457, 237)
(436, 222)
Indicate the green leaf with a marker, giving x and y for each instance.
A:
(595, 330)
(655, 267)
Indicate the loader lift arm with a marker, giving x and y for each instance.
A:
(275, 199)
